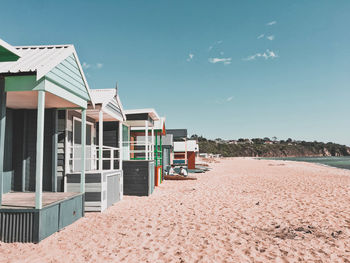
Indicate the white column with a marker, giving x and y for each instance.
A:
(146, 140)
(100, 140)
(39, 150)
(152, 146)
(120, 145)
(83, 150)
(186, 151)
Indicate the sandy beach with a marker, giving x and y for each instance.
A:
(243, 210)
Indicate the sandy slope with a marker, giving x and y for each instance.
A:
(244, 210)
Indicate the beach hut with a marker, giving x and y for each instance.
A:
(104, 174)
(36, 81)
(159, 133)
(139, 170)
(167, 151)
(184, 150)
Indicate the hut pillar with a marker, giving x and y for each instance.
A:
(39, 150)
(120, 145)
(83, 150)
(146, 141)
(2, 132)
(100, 140)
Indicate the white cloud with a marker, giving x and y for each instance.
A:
(272, 37)
(261, 36)
(86, 65)
(99, 65)
(268, 54)
(225, 61)
(219, 42)
(271, 23)
(229, 98)
(190, 57)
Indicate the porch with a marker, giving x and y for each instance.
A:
(20, 221)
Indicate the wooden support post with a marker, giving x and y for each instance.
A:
(161, 149)
(100, 140)
(186, 152)
(54, 149)
(83, 150)
(39, 150)
(152, 147)
(24, 150)
(2, 132)
(146, 140)
(120, 145)
(155, 152)
(67, 151)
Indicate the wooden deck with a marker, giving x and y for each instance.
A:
(20, 200)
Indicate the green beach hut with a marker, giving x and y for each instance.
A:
(35, 83)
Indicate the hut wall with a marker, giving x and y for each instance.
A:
(191, 158)
(139, 177)
(102, 189)
(20, 153)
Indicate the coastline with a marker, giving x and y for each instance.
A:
(303, 161)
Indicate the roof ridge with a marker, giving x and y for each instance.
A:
(43, 46)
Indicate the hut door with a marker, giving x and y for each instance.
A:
(77, 149)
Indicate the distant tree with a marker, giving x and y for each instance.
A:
(274, 138)
(194, 137)
(289, 140)
(266, 139)
(241, 140)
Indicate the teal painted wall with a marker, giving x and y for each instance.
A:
(68, 76)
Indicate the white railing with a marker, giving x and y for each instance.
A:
(140, 150)
(92, 158)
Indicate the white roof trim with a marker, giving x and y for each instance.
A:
(121, 107)
(9, 47)
(83, 75)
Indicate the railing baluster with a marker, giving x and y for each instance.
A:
(112, 159)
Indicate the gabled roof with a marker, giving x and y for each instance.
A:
(108, 97)
(8, 52)
(41, 60)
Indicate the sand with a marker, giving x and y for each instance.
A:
(243, 210)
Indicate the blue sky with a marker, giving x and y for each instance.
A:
(226, 69)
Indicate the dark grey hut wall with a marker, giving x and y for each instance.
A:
(177, 133)
(110, 133)
(24, 130)
(110, 138)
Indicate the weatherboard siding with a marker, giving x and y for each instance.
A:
(67, 75)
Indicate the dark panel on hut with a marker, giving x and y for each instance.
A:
(24, 149)
(177, 133)
(137, 178)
